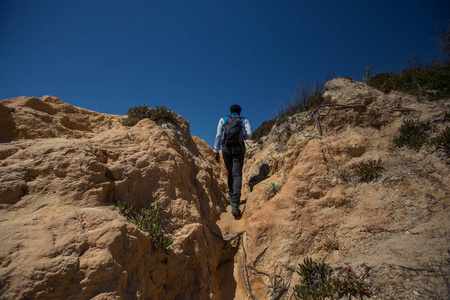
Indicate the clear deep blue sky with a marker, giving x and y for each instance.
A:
(199, 57)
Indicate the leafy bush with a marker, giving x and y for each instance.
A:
(282, 120)
(443, 140)
(137, 113)
(147, 220)
(383, 81)
(369, 170)
(432, 81)
(412, 134)
(319, 281)
(126, 209)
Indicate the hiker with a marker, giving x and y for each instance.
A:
(231, 133)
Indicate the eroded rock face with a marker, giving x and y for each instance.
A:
(7, 126)
(348, 92)
(64, 168)
(62, 236)
(395, 227)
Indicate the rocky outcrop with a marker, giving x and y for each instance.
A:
(62, 236)
(7, 126)
(348, 92)
(394, 229)
(63, 169)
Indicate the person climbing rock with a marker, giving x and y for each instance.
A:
(231, 133)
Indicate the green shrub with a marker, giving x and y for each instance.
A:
(384, 81)
(443, 140)
(369, 170)
(319, 281)
(147, 220)
(126, 209)
(432, 81)
(282, 120)
(137, 113)
(412, 134)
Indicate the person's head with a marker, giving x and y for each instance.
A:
(235, 109)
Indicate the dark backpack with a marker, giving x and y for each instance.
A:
(232, 131)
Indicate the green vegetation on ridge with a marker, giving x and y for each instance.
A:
(432, 81)
(137, 113)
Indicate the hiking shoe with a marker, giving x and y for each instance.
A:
(235, 211)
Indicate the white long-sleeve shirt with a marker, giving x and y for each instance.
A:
(247, 129)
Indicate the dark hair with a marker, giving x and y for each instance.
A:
(235, 109)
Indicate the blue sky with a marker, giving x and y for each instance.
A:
(199, 57)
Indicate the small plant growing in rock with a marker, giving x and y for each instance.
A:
(372, 113)
(443, 140)
(126, 209)
(369, 170)
(320, 281)
(282, 120)
(373, 118)
(412, 134)
(148, 220)
(135, 114)
(271, 189)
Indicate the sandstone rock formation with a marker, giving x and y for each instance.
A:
(395, 229)
(64, 168)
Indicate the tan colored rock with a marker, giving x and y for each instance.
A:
(7, 126)
(394, 225)
(64, 169)
(349, 92)
(49, 117)
(61, 233)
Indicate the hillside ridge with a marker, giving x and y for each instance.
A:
(64, 169)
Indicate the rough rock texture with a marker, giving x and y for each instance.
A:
(396, 228)
(347, 92)
(62, 236)
(63, 169)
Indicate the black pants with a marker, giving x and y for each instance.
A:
(234, 164)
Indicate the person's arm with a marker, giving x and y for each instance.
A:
(247, 129)
(218, 139)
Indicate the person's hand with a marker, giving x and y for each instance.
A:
(217, 157)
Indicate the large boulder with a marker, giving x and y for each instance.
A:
(62, 235)
(348, 92)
